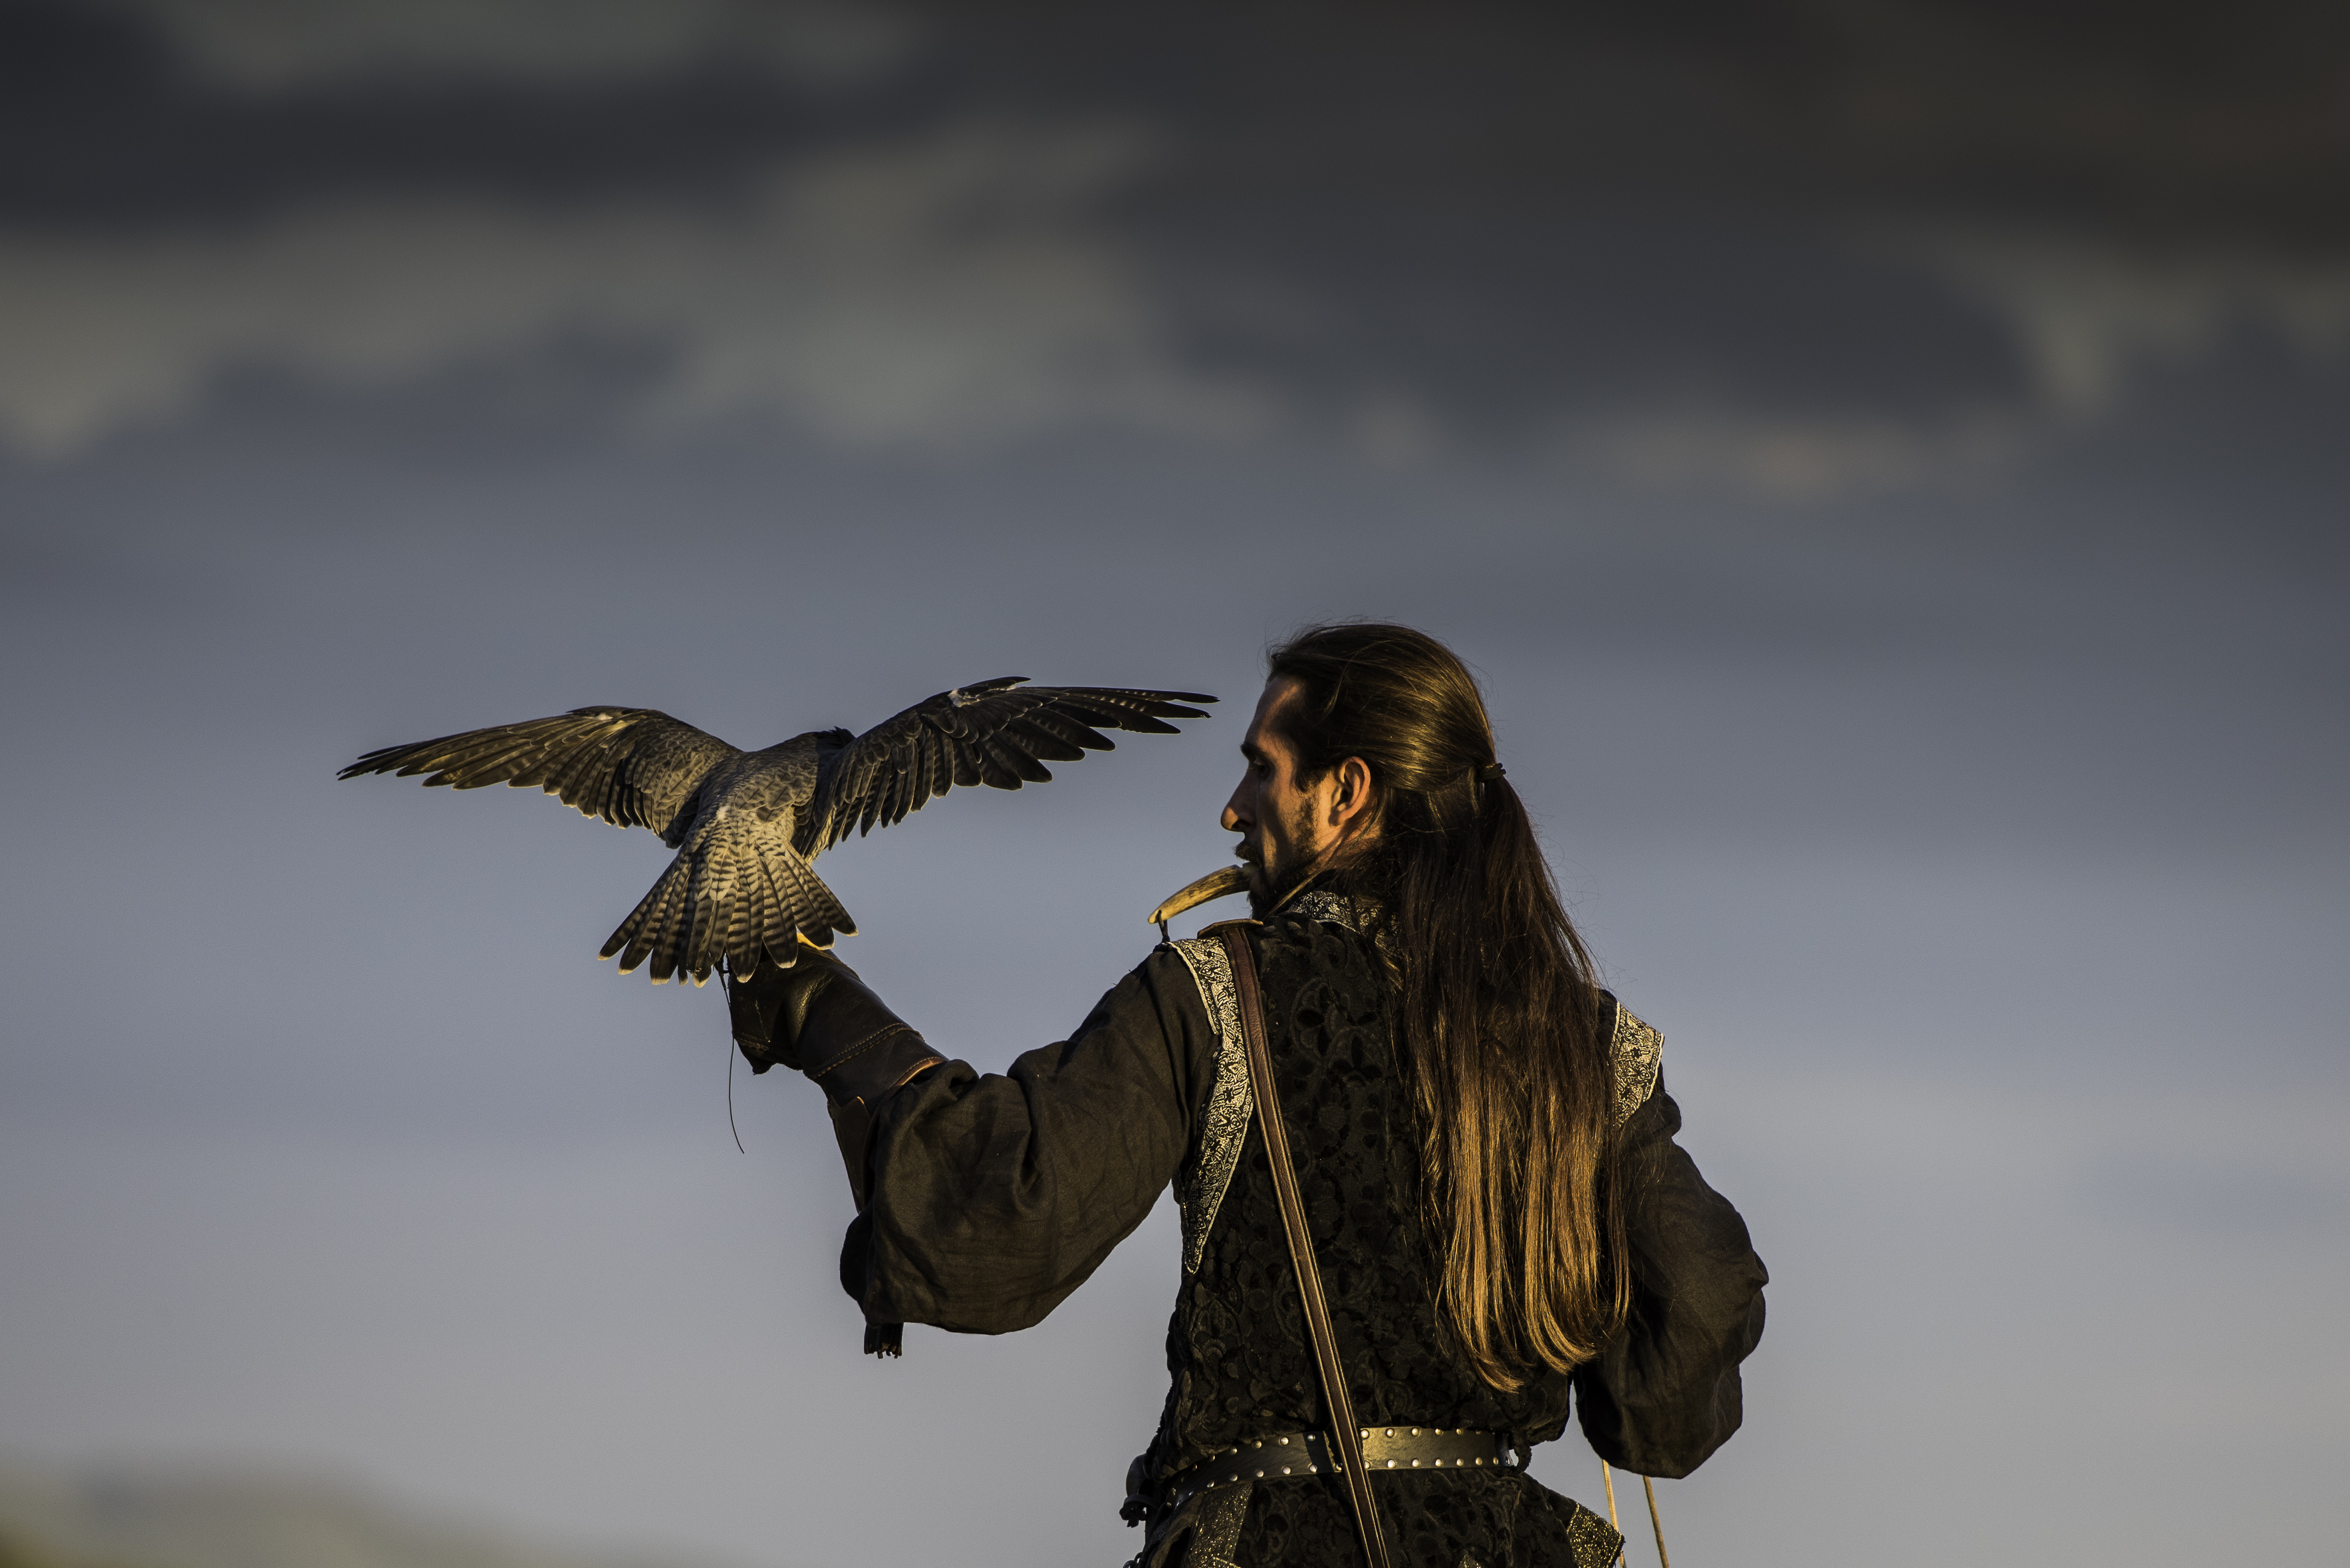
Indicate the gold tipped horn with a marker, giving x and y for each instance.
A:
(1216, 884)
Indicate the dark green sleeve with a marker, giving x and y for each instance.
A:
(992, 1196)
(1665, 1394)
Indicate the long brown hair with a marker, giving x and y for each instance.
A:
(1515, 1090)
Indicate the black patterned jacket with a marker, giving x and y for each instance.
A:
(993, 1197)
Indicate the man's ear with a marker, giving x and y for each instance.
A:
(1352, 798)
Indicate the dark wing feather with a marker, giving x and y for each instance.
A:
(632, 766)
(998, 733)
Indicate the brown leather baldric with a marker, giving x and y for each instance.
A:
(1338, 1404)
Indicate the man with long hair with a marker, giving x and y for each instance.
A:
(1480, 1135)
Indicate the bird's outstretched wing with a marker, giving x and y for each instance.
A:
(998, 733)
(632, 766)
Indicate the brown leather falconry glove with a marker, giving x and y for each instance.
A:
(818, 1017)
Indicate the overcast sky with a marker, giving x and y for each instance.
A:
(1888, 468)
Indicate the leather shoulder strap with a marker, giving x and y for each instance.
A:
(1337, 1404)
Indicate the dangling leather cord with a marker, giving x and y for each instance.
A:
(1655, 1523)
(1337, 1404)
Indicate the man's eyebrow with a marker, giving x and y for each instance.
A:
(1252, 751)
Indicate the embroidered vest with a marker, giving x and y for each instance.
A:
(1236, 1347)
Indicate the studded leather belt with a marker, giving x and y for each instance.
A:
(1294, 1454)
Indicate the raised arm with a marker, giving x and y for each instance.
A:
(985, 1199)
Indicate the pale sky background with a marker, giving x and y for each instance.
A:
(1887, 466)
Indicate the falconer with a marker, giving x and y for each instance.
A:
(1481, 1141)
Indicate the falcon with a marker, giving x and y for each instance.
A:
(746, 825)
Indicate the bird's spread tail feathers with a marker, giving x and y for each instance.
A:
(734, 903)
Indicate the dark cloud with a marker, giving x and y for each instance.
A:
(1794, 250)
(2166, 122)
(106, 126)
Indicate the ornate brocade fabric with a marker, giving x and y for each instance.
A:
(1638, 1054)
(1224, 1123)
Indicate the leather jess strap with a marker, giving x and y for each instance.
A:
(1338, 1404)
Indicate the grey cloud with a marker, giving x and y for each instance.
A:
(269, 44)
(2087, 316)
(1763, 456)
(933, 293)
(1194, 232)
(2086, 320)
(965, 287)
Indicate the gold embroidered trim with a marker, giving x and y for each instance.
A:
(1318, 904)
(1224, 1127)
(1638, 1053)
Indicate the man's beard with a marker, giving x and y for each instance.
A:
(1276, 888)
(1280, 885)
